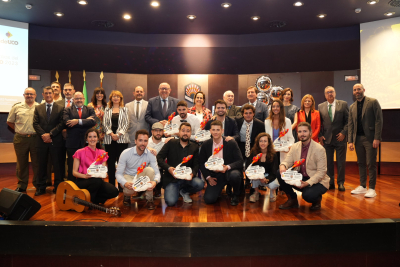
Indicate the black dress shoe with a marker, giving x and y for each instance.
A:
(127, 200)
(228, 190)
(332, 186)
(234, 200)
(20, 190)
(49, 184)
(40, 192)
(341, 187)
(316, 205)
(263, 188)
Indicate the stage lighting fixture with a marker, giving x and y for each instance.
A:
(298, 4)
(388, 14)
(82, 2)
(58, 14)
(191, 17)
(226, 5)
(6, 1)
(155, 4)
(255, 17)
(321, 16)
(127, 16)
(372, 2)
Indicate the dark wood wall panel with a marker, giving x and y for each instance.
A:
(153, 81)
(218, 84)
(313, 83)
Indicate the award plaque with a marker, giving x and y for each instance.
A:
(292, 178)
(202, 135)
(97, 171)
(214, 164)
(183, 173)
(255, 172)
(171, 129)
(141, 183)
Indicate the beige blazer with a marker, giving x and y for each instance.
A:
(315, 162)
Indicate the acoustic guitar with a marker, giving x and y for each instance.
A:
(70, 197)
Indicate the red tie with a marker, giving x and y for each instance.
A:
(80, 113)
(69, 103)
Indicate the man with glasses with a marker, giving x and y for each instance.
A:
(20, 119)
(160, 107)
(232, 111)
(334, 115)
(78, 119)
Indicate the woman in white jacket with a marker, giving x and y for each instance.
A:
(276, 123)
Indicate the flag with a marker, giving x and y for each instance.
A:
(85, 93)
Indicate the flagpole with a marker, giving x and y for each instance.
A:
(69, 76)
(57, 76)
(101, 79)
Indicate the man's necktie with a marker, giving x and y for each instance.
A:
(80, 113)
(48, 111)
(330, 111)
(247, 146)
(164, 108)
(69, 103)
(137, 110)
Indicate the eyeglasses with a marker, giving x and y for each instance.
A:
(29, 94)
(164, 89)
(329, 92)
(79, 99)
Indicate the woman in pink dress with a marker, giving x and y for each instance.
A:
(99, 190)
(98, 103)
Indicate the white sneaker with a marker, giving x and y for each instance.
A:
(370, 193)
(359, 190)
(186, 197)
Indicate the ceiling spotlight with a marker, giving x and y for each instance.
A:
(388, 14)
(191, 17)
(127, 16)
(6, 1)
(255, 17)
(298, 4)
(155, 4)
(58, 14)
(372, 2)
(82, 2)
(321, 16)
(226, 5)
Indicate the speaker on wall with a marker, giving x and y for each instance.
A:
(17, 206)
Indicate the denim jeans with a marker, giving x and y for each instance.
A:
(171, 193)
(272, 185)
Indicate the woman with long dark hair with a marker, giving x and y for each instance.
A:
(269, 160)
(98, 103)
(290, 109)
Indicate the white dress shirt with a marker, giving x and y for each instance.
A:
(190, 118)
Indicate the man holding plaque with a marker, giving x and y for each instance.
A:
(184, 116)
(181, 154)
(133, 165)
(218, 148)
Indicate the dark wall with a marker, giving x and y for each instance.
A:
(153, 82)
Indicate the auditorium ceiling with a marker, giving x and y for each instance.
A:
(171, 16)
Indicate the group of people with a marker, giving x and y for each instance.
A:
(65, 126)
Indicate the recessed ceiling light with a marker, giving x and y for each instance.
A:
(6, 0)
(82, 2)
(58, 14)
(127, 16)
(155, 4)
(388, 14)
(298, 4)
(321, 16)
(226, 5)
(255, 17)
(192, 17)
(372, 2)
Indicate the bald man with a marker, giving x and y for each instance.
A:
(137, 111)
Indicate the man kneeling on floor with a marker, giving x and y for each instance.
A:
(130, 160)
(315, 181)
(175, 151)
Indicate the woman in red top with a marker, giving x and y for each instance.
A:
(308, 114)
(199, 109)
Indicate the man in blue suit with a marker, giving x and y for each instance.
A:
(160, 107)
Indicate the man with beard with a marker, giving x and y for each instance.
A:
(184, 116)
(365, 134)
(315, 181)
(232, 111)
(136, 112)
(175, 150)
(229, 127)
(130, 160)
(232, 173)
(20, 119)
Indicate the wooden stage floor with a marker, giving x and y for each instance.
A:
(335, 205)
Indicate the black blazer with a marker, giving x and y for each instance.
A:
(54, 125)
(258, 127)
(231, 128)
(76, 134)
(154, 109)
(230, 152)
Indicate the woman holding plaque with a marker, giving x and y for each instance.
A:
(308, 114)
(279, 128)
(199, 109)
(98, 103)
(116, 123)
(99, 190)
(290, 109)
(269, 160)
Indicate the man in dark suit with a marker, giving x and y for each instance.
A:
(232, 111)
(229, 126)
(365, 134)
(48, 124)
(78, 119)
(160, 107)
(332, 136)
(232, 169)
(261, 108)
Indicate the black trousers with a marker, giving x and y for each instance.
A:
(310, 194)
(44, 152)
(232, 177)
(99, 190)
(71, 152)
(63, 157)
(341, 151)
(114, 151)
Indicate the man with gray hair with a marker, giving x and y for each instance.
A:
(332, 136)
(232, 111)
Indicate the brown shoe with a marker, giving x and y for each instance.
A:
(127, 200)
(150, 205)
(290, 203)
(316, 205)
